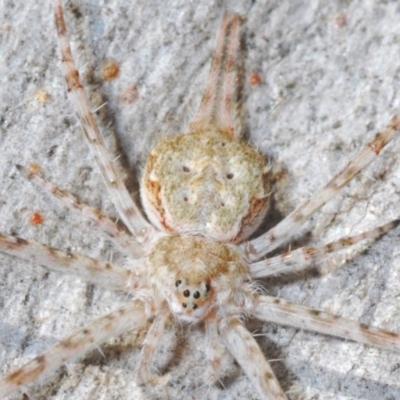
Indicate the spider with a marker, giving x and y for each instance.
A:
(205, 193)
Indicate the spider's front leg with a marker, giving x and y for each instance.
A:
(248, 354)
(150, 345)
(214, 349)
(128, 317)
(279, 311)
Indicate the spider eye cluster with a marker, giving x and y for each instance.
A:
(192, 294)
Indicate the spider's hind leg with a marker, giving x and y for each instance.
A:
(95, 271)
(303, 258)
(122, 239)
(217, 107)
(289, 226)
(126, 207)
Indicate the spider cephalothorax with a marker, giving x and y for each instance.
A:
(205, 192)
(197, 275)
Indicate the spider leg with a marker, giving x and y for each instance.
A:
(126, 207)
(279, 311)
(117, 235)
(300, 259)
(216, 104)
(214, 349)
(128, 317)
(99, 272)
(289, 226)
(226, 110)
(248, 354)
(150, 344)
(205, 112)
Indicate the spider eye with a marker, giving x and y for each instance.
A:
(177, 283)
(184, 305)
(196, 295)
(208, 287)
(186, 293)
(195, 306)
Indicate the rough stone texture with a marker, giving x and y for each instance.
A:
(329, 79)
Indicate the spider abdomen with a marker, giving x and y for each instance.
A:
(206, 183)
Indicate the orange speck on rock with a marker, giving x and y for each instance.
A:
(41, 96)
(109, 70)
(34, 168)
(255, 79)
(36, 218)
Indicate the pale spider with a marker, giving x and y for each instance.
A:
(205, 193)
